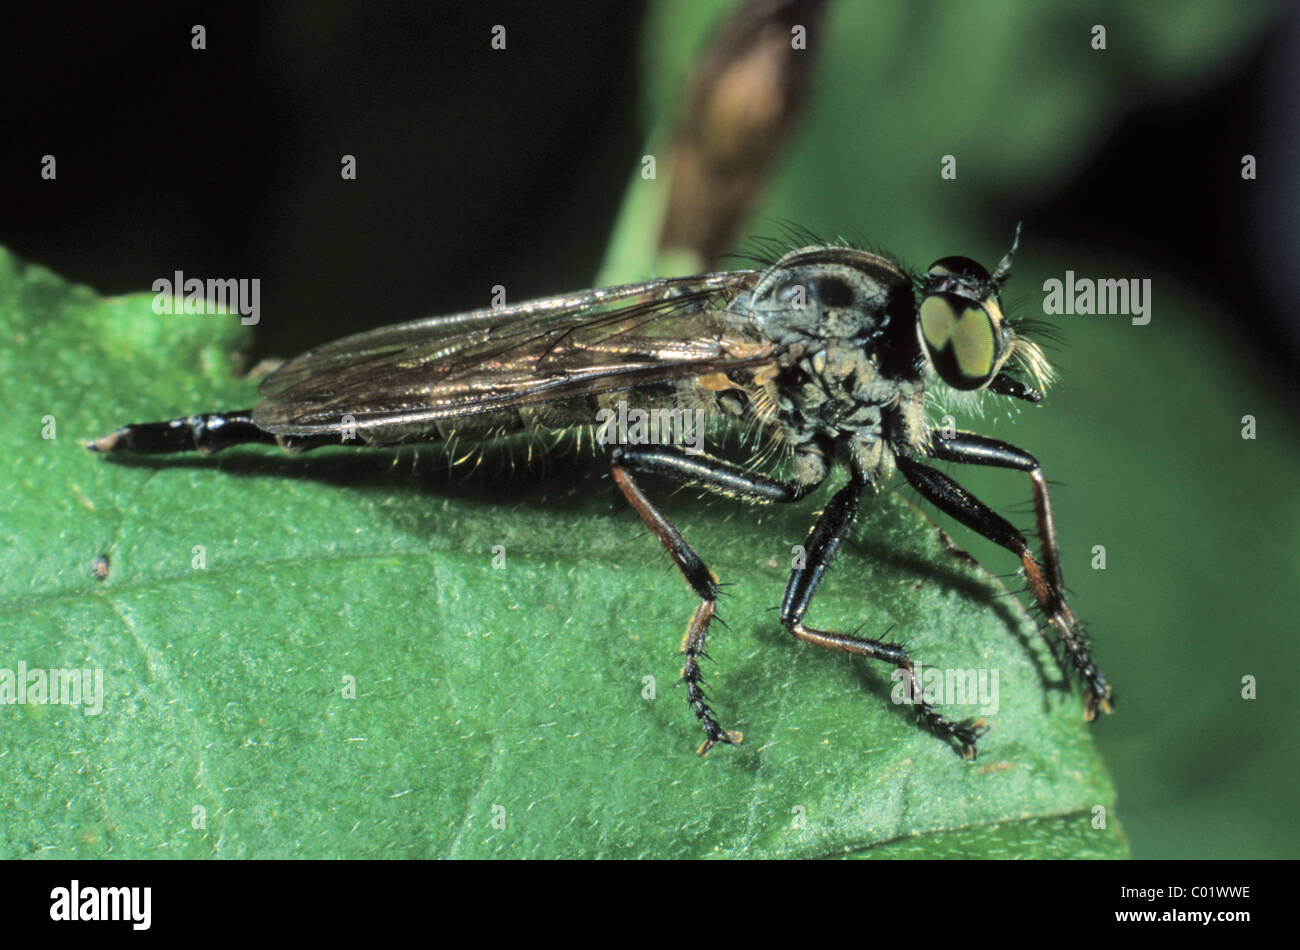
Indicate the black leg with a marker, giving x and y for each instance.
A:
(722, 478)
(1044, 583)
(823, 543)
(972, 449)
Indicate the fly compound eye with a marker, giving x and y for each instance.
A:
(962, 340)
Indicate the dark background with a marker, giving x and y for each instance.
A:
(477, 169)
(473, 170)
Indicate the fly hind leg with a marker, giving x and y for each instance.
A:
(719, 477)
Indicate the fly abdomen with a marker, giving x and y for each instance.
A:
(210, 432)
(207, 433)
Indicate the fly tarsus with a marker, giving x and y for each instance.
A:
(965, 734)
(1098, 696)
(693, 649)
(823, 543)
(1051, 601)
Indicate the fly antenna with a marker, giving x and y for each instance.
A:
(1004, 266)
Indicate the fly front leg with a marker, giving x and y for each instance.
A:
(819, 551)
(719, 477)
(1045, 580)
(971, 449)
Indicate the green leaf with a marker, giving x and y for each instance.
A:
(514, 694)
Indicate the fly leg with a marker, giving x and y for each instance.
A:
(207, 432)
(719, 477)
(1045, 581)
(820, 549)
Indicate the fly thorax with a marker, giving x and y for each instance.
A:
(815, 295)
(834, 390)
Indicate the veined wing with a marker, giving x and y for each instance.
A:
(490, 360)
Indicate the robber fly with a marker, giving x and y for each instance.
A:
(828, 352)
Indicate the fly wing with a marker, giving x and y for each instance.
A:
(405, 377)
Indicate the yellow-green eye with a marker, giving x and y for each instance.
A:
(962, 340)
